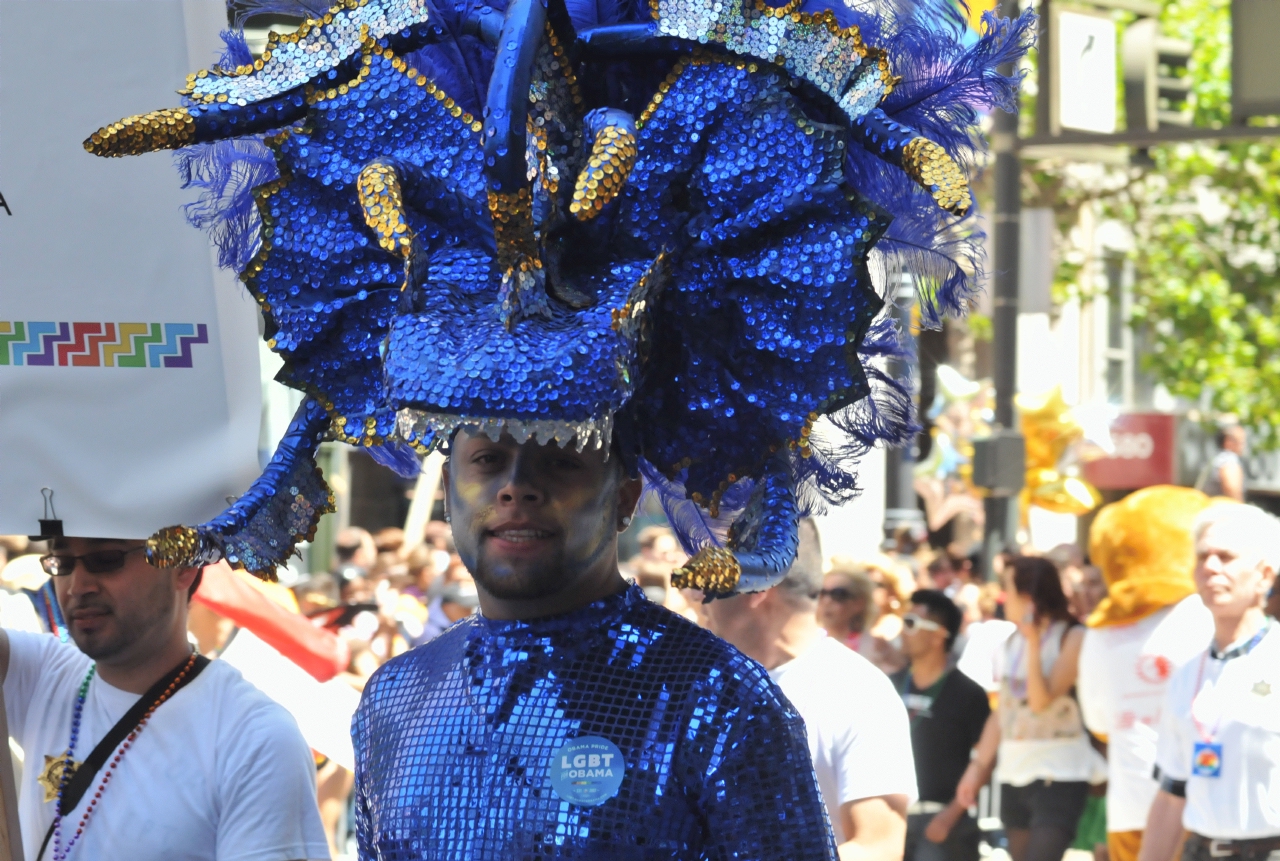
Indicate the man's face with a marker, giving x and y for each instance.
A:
(1230, 576)
(112, 614)
(916, 641)
(1234, 440)
(530, 520)
(942, 573)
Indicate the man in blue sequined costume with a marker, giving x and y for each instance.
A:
(573, 718)
(583, 227)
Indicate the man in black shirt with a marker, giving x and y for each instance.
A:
(948, 711)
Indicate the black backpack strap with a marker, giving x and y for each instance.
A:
(80, 781)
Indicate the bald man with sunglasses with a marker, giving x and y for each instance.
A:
(855, 722)
(138, 747)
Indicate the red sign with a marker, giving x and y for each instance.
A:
(1144, 453)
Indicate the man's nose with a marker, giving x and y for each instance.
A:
(521, 484)
(78, 582)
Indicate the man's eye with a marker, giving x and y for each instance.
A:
(485, 459)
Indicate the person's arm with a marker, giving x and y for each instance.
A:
(876, 828)
(972, 725)
(762, 800)
(1164, 827)
(980, 767)
(1231, 475)
(1041, 692)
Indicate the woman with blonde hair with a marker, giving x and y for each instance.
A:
(859, 606)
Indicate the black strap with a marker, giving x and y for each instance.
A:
(84, 774)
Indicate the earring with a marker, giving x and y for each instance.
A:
(626, 521)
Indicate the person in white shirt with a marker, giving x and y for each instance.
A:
(859, 735)
(212, 769)
(1045, 761)
(1150, 623)
(1219, 746)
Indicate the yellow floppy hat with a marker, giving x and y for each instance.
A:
(1143, 546)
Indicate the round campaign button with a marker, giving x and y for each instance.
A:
(587, 770)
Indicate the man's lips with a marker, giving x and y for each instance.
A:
(519, 534)
(89, 614)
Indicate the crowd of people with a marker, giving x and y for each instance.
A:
(1060, 684)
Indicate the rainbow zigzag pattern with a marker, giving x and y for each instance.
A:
(100, 345)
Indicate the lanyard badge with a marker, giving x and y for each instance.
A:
(1206, 759)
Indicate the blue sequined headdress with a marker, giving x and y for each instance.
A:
(650, 226)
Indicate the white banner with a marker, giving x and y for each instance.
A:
(128, 362)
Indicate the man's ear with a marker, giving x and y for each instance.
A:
(1268, 579)
(629, 490)
(186, 578)
(444, 483)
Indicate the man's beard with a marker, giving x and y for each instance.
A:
(107, 641)
(123, 629)
(539, 580)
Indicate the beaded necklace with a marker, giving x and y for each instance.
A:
(61, 852)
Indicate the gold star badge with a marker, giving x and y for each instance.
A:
(51, 777)
(1262, 689)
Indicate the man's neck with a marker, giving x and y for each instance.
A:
(1228, 630)
(796, 635)
(138, 675)
(564, 601)
(926, 669)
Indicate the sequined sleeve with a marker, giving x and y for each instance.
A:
(359, 737)
(762, 801)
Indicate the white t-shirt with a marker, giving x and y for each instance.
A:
(859, 735)
(1124, 670)
(1238, 707)
(982, 641)
(1050, 745)
(219, 772)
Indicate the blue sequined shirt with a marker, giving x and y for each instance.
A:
(460, 743)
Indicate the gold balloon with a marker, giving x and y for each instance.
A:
(1050, 429)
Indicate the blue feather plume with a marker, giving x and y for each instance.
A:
(949, 79)
(886, 415)
(226, 172)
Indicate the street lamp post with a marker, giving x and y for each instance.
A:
(999, 461)
(899, 490)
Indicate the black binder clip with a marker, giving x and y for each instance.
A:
(50, 525)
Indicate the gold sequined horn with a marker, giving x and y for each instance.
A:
(613, 154)
(929, 165)
(382, 203)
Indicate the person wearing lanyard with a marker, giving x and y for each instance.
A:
(1219, 749)
(948, 711)
(136, 746)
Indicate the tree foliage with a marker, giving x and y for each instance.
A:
(1206, 222)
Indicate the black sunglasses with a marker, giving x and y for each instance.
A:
(839, 593)
(97, 562)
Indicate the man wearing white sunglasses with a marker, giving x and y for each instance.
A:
(948, 711)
